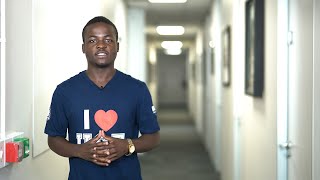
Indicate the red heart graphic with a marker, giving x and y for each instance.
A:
(106, 120)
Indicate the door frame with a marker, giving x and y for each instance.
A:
(316, 92)
(282, 87)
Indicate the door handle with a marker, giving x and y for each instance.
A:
(286, 145)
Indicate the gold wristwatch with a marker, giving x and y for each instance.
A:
(131, 147)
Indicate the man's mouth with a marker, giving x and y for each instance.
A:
(101, 53)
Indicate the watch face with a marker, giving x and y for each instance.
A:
(131, 149)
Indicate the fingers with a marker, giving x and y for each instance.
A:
(101, 160)
(110, 154)
(101, 163)
(104, 160)
(105, 136)
(104, 152)
(113, 157)
(96, 138)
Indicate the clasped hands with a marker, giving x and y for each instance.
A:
(104, 152)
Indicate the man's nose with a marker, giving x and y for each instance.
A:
(101, 44)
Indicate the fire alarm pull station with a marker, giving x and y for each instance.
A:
(14, 152)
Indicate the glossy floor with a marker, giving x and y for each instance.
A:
(181, 154)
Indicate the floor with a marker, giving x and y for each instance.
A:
(181, 154)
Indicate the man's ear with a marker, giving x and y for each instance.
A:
(83, 48)
(117, 46)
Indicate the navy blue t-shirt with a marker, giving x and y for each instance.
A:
(123, 108)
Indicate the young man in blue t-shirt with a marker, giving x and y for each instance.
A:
(102, 110)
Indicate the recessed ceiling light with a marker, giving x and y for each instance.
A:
(172, 51)
(168, 1)
(170, 30)
(171, 44)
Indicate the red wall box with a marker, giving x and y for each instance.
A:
(14, 152)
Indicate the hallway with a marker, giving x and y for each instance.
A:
(225, 56)
(181, 154)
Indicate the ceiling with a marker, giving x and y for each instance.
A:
(191, 15)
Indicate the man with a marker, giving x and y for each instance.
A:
(103, 110)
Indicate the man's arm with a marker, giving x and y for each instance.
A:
(63, 147)
(119, 147)
(146, 142)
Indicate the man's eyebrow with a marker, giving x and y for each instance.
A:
(95, 36)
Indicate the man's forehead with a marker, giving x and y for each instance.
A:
(100, 25)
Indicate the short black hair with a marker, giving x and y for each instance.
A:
(99, 19)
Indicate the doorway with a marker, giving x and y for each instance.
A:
(171, 80)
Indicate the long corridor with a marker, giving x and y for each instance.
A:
(181, 154)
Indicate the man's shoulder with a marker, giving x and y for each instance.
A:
(72, 81)
(130, 80)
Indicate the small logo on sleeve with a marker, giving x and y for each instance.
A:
(49, 115)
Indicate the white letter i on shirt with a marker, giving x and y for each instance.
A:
(86, 120)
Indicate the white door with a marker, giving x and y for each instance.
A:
(282, 89)
(298, 129)
(300, 86)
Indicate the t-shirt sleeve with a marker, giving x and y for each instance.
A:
(147, 115)
(57, 123)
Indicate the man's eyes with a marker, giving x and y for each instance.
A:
(94, 40)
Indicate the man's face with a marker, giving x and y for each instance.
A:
(100, 45)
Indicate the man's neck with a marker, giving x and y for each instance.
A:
(101, 76)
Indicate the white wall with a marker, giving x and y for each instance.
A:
(137, 64)
(259, 118)
(217, 101)
(248, 124)
(44, 40)
(120, 20)
(253, 119)
(199, 82)
(210, 89)
(238, 54)
(227, 98)
(153, 73)
(195, 86)
(191, 81)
